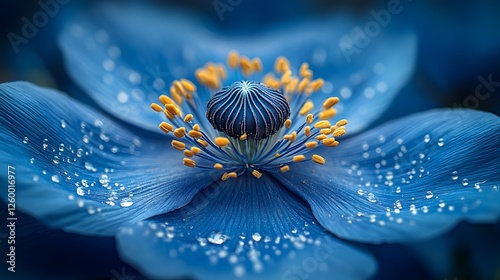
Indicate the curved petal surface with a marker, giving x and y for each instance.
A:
(77, 170)
(126, 56)
(408, 179)
(242, 228)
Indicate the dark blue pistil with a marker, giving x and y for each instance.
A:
(248, 107)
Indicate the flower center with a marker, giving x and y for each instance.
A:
(249, 126)
(248, 108)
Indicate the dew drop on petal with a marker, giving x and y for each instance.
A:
(25, 140)
(465, 182)
(371, 197)
(126, 202)
(63, 123)
(104, 180)
(55, 178)
(256, 236)
(454, 175)
(217, 237)
(45, 143)
(61, 147)
(441, 142)
(429, 195)
(427, 138)
(80, 191)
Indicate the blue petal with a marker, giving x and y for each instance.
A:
(77, 170)
(409, 179)
(118, 60)
(246, 228)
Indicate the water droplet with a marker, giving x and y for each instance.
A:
(45, 143)
(442, 204)
(79, 153)
(441, 142)
(465, 182)
(55, 160)
(256, 236)
(25, 140)
(63, 123)
(217, 237)
(371, 197)
(398, 205)
(398, 190)
(90, 167)
(429, 195)
(55, 178)
(361, 192)
(80, 191)
(126, 202)
(61, 147)
(427, 138)
(477, 185)
(454, 175)
(114, 149)
(104, 180)
(32, 160)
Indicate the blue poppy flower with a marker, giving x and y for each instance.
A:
(250, 179)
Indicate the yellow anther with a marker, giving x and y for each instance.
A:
(207, 78)
(189, 162)
(188, 153)
(218, 166)
(327, 114)
(307, 131)
(176, 96)
(221, 141)
(303, 67)
(311, 144)
(284, 168)
(188, 85)
(246, 65)
(243, 137)
(306, 108)
(221, 71)
(178, 145)
(202, 142)
(321, 137)
(257, 174)
(156, 107)
(322, 124)
(309, 119)
(277, 155)
(286, 78)
(339, 132)
(166, 127)
(178, 87)
(257, 64)
(325, 131)
(303, 85)
(165, 100)
(291, 137)
(232, 59)
(168, 114)
(173, 109)
(288, 123)
(188, 118)
(318, 159)
(341, 123)
(226, 176)
(195, 150)
(330, 142)
(329, 102)
(179, 132)
(196, 127)
(298, 158)
(211, 68)
(317, 84)
(281, 65)
(195, 133)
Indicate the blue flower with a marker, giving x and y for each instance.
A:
(271, 195)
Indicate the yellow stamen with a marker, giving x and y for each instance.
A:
(317, 84)
(341, 123)
(195, 150)
(221, 141)
(218, 166)
(285, 168)
(339, 132)
(309, 119)
(188, 118)
(178, 87)
(188, 153)
(156, 107)
(178, 145)
(330, 142)
(290, 87)
(226, 176)
(298, 158)
(243, 137)
(188, 85)
(246, 65)
(257, 174)
(306, 108)
(189, 162)
(166, 127)
(311, 145)
(202, 142)
(307, 131)
(322, 124)
(168, 114)
(281, 65)
(327, 114)
(175, 95)
(196, 127)
(257, 64)
(232, 59)
(325, 131)
(195, 134)
(329, 102)
(173, 109)
(318, 159)
(291, 137)
(287, 77)
(221, 71)
(207, 78)
(303, 84)
(165, 99)
(179, 132)
(277, 155)
(321, 137)
(288, 123)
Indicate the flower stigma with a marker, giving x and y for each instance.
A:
(249, 125)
